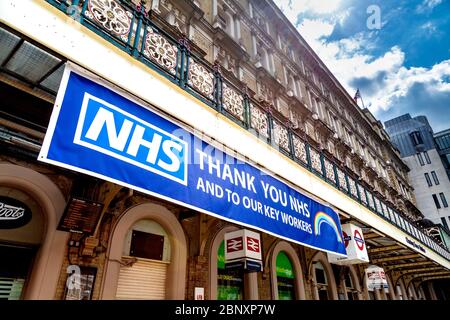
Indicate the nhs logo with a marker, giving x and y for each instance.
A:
(106, 128)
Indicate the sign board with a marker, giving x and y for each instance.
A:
(375, 278)
(199, 293)
(354, 245)
(13, 213)
(242, 244)
(80, 216)
(101, 131)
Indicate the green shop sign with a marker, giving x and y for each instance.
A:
(284, 266)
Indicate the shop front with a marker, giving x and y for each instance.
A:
(31, 248)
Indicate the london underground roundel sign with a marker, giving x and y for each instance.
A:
(358, 240)
(347, 238)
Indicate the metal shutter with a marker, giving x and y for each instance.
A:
(11, 289)
(145, 279)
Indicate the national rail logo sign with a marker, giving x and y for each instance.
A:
(100, 130)
(235, 244)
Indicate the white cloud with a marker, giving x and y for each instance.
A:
(292, 8)
(427, 5)
(314, 29)
(348, 60)
(384, 79)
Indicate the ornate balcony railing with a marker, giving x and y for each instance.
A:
(128, 27)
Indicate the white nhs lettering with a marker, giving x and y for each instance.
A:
(118, 138)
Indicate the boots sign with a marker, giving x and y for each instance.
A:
(13, 213)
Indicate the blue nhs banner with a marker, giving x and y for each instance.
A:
(100, 131)
(106, 128)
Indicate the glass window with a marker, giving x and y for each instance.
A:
(322, 281)
(285, 277)
(435, 178)
(427, 157)
(444, 200)
(416, 138)
(427, 177)
(444, 222)
(436, 202)
(419, 156)
(230, 283)
(352, 294)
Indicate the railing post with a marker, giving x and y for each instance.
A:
(140, 13)
(218, 90)
(322, 164)
(185, 54)
(349, 191)
(336, 177)
(357, 184)
(291, 141)
(246, 108)
(270, 119)
(308, 155)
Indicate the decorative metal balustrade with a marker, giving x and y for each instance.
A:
(128, 27)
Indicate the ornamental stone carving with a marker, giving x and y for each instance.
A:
(342, 181)
(315, 160)
(362, 194)
(299, 149)
(201, 79)
(280, 135)
(160, 51)
(352, 185)
(329, 170)
(259, 121)
(111, 16)
(233, 102)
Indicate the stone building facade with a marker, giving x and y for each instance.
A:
(239, 73)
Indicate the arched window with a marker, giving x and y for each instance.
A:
(285, 277)
(352, 292)
(145, 260)
(230, 29)
(286, 273)
(399, 292)
(321, 281)
(230, 283)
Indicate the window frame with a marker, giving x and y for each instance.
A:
(435, 178)
(436, 201)
(427, 178)
(427, 157)
(419, 156)
(443, 199)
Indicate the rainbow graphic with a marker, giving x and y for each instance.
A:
(322, 217)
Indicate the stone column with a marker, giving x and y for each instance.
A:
(254, 46)
(271, 62)
(237, 22)
(155, 6)
(431, 290)
(251, 286)
(214, 12)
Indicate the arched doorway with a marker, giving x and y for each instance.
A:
(35, 249)
(286, 272)
(226, 284)
(130, 256)
(400, 290)
(351, 284)
(323, 278)
(230, 283)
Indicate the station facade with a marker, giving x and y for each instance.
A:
(249, 86)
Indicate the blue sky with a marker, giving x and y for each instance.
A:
(401, 67)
